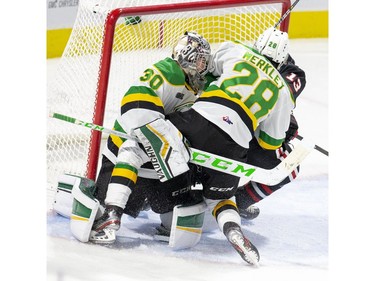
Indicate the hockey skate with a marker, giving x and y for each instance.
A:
(241, 244)
(105, 227)
(249, 213)
(162, 233)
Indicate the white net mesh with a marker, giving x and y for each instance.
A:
(138, 43)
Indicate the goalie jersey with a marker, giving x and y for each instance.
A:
(159, 91)
(250, 98)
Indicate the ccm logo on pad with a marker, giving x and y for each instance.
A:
(221, 189)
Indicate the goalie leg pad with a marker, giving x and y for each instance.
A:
(85, 209)
(164, 145)
(187, 224)
(63, 200)
(164, 230)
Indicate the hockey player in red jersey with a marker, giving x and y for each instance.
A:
(127, 175)
(245, 111)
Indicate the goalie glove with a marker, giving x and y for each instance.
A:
(164, 145)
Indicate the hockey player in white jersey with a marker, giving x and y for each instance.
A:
(248, 101)
(253, 192)
(167, 86)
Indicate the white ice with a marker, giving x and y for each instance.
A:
(291, 232)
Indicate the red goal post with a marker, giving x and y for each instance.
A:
(112, 43)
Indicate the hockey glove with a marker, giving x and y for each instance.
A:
(292, 130)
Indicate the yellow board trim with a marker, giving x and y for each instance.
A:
(56, 42)
(303, 24)
(308, 24)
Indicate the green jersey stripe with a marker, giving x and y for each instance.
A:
(270, 140)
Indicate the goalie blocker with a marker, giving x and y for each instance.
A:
(164, 145)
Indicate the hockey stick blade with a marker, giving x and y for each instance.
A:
(219, 163)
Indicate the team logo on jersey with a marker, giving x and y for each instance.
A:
(226, 119)
(180, 96)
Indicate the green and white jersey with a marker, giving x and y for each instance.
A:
(159, 91)
(249, 98)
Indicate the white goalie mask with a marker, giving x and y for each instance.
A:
(193, 54)
(273, 44)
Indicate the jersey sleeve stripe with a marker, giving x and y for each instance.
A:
(143, 105)
(125, 173)
(268, 142)
(117, 141)
(141, 97)
(114, 142)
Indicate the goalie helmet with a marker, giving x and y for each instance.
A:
(273, 44)
(193, 53)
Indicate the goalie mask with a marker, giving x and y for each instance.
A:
(193, 54)
(274, 44)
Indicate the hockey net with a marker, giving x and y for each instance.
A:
(111, 43)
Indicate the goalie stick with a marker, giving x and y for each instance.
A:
(219, 163)
(286, 13)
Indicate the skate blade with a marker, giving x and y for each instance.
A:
(249, 256)
(105, 236)
(161, 238)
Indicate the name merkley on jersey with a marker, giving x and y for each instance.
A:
(266, 67)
